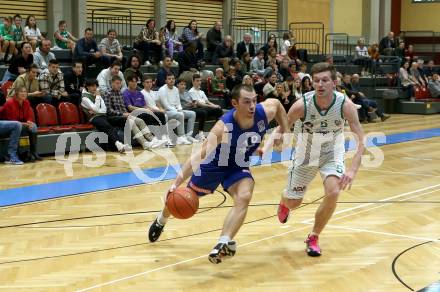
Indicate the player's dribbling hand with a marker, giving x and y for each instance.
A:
(259, 151)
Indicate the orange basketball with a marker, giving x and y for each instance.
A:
(182, 203)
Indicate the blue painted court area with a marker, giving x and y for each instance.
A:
(65, 188)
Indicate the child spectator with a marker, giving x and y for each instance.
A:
(18, 32)
(32, 32)
(7, 39)
(63, 38)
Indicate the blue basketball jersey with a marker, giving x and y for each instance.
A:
(242, 143)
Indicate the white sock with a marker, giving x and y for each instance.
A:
(162, 219)
(224, 239)
(119, 145)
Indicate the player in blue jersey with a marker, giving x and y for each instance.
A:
(224, 158)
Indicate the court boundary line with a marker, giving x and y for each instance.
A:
(252, 242)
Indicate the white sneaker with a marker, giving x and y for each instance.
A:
(182, 140)
(357, 106)
(147, 63)
(169, 144)
(127, 148)
(201, 137)
(191, 139)
(156, 143)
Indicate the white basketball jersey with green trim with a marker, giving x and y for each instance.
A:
(321, 132)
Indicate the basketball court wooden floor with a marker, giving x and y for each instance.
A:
(383, 236)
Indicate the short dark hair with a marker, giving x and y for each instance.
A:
(116, 63)
(131, 78)
(88, 29)
(17, 16)
(323, 67)
(181, 80)
(90, 82)
(170, 74)
(77, 61)
(116, 78)
(146, 77)
(54, 62)
(236, 91)
(61, 22)
(32, 66)
(111, 30)
(196, 76)
(23, 44)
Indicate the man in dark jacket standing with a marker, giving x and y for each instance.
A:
(214, 37)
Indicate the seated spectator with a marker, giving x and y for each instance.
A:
(191, 34)
(52, 84)
(19, 109)
(7, 39)
(434, 85)
(269, 90)
(202, 101)
(94, 108)
(163, 71)
(191, 105)
(105, 77)
(400, 52)
(133, 66)
(63, 38)
(137, 104)
(297, 91)
(257, 64)
(117, 115)
(87, 51)
(367, 105)
(271, 43)
(303, 71)
(285, 46)
(148, 42)
(409, 54)
(247, 80)
(415, 74)
(373, 51)
(292, 69)
(18, 32)
(13, 130)
(406, 80)
(172, 41)
(169, 97)
(29, 80)
(306, 84)
(387, 45)
(420, 64)
(74, 82)
(224, 52)
(152, 102)
(32, 33)
(430, 69)
(245, 62)
(284, 68)
(20, 63)
(43, 55)
(272, 67)
(234, 76)
(271, 57)
(361, 57)
(246, 46)
(188, 59)
(214, 38)
(283, 96)
(218, 83)
(110, 48)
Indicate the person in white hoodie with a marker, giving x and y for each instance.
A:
(94, 107)
(105, 77)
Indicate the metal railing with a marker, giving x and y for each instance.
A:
(115, 18)
(423, 39)
(308, 32)
(256, 26)
(279, 33)
(336, 44)
(311, 47)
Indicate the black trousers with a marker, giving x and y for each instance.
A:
(203, 114)
(103, 125)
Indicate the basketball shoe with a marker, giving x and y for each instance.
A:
(222, 251)
(283, 213)
(155, 231)
(313, 248)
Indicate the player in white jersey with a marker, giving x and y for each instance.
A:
(319, 125)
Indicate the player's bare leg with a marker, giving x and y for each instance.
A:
(323, 214)
(241, 193)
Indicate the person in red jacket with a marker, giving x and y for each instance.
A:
(19, 109)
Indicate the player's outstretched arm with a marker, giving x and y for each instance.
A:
(213, 139)
(350, 114)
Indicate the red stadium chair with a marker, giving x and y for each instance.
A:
(209, 85)
(47, 119)
(69, 116)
